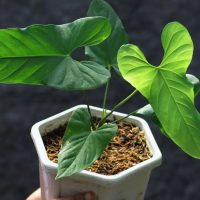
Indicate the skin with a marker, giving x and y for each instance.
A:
(82, 196)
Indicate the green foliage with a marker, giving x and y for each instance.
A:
(106, 52)
(82, 145)
(149, 112)
(40, 54)
(166, 86)
(195, 82)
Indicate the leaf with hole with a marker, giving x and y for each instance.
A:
(40, 54)
(166, 87)
(82, 145)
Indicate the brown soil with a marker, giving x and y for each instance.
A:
(125, 150)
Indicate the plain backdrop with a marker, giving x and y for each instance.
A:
(21, 106)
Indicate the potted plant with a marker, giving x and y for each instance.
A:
(41, 55)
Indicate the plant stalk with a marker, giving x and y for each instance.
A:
(89, 111)
(91, 121)
(106, 94)
(102, 121)
(118, 120)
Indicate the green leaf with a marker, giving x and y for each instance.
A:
(195, 82)
(148, 111)
(166, 87)
(81, 145)
(106, 52)
(40, 54)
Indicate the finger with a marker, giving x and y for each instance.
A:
(67, 198)
(89, 196)
(79, 197)
(83, 196)
(35, 195)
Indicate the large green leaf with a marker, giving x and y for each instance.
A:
(166, 87)
(148, 111)
(40, 54)
(82, 145)
(106, 52)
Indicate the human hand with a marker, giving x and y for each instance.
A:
(82, 196)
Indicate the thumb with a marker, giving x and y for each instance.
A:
(35, 195)
(81, 196)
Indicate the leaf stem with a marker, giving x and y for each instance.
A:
(106, 94)
(89, 111)
(102, 121)
(118, 120)
(91, 121)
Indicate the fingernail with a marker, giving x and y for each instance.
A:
(89, 196)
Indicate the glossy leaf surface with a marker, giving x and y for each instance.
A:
(166, 87)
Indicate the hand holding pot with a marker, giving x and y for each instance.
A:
(83, 196)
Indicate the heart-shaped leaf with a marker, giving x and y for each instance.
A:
(40, 54)
(166, 86)
(82, 145)
(106, 52)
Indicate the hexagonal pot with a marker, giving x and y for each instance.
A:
(127, 185)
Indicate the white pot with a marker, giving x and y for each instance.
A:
(127, 185)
